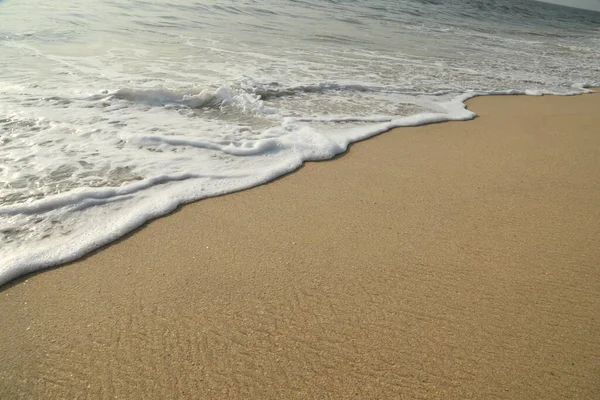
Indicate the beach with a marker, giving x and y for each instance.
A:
(452, 261)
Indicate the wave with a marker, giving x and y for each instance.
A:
(192, 98)
(248, 94)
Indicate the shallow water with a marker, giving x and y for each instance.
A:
(113, 113)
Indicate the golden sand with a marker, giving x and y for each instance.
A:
(452, 261)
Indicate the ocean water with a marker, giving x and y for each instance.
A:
(113, 113)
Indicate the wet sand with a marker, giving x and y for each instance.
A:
(451, 261)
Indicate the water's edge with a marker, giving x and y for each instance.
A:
(20, 269)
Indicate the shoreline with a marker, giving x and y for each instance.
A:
(90, 249)
(454, 260)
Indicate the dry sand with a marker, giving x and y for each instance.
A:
(451, 261)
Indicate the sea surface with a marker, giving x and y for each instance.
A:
(116, 112)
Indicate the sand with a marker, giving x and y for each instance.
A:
(452, 261)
